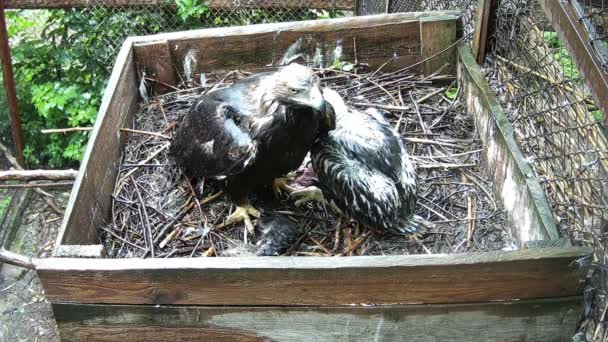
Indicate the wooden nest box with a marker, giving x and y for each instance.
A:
(529, 294)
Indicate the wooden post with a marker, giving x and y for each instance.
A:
(485, 9)
(436, 35)
(9, 84)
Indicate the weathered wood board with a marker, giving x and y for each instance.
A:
(437, 35)
(411, 279)
(515, 183)
(89, 205)
(374, 40)
(534, 320)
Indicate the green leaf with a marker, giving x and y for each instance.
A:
(451, 93)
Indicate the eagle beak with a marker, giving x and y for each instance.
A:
(316, 99)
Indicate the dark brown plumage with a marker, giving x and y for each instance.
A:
(254, 131)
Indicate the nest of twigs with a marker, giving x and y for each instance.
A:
(157, 212)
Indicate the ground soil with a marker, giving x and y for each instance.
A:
(25, 314)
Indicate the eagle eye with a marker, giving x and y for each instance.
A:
(293, 91)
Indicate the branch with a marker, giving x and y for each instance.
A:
(10, 157)
(66, 130)
(28, 175)
(15, 259)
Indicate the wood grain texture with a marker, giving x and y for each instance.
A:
(537, 320)
(89, 203)
(515, 183)
(377, 39)
(318, 4)
(80, 251)
(154, 61)
(437, 34)
(29, 175)
(482, 28)
(532, 273)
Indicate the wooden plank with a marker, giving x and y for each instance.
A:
(154, 61)
(89, 203)
(573, 34)
(515, 183)
(80, 251)
(482, 29)
(443, 278)
(317, 4)
(534, 320)
(378, 38)
(437, 34)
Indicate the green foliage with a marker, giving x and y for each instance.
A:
(63, 58)
(62, 61)
(568, 67)
(5, 201)
(190, 9)
(598, 115)
(451, 93)
(560, 54)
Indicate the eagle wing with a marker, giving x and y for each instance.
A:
(213, 140)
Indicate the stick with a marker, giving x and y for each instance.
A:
(485, 191)
(162, 111)
(432, 142)
(447, 156)
(469, 215)
(169, 237)
(145, 132)
(66, 130)
(444, 166)
(426, 250)
(432, 210)
(123, 240)
(358, 241)
(15, 259)
(143, 207)
(11, 159)
(320, 245)
(29, 175)
(428, 96)
(128, 174)
(387, 107)
(36, 186)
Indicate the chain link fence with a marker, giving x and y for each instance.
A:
(467, 9)
(594, 16)
(556, 122)
(558, 127)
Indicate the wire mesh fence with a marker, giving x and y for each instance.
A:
(556, 122)
(467, 9)
(558, 127)
(63, 56)
(6, 136)
(594, 16)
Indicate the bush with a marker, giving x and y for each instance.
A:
(62, 60)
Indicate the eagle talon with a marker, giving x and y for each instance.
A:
(282, 185)
(241, 214)
(309, 194)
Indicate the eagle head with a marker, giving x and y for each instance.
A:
(293, 84)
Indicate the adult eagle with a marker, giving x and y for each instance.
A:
(252, 132)
(364, 170)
